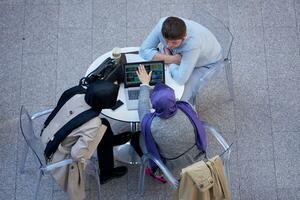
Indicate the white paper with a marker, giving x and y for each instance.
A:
(133, 58)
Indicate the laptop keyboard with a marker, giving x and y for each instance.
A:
(133, 94)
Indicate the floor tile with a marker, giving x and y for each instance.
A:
(103, 17)
(252, 146)
(284, 104)
(288, 193)
(41, 27)
(45, 66)
(235, 194)
(287, 173)
(218, 9)
(60, 195)
(9, 131)
(220, 115)
(13, 2)
(10, 72)
(254, 118)
(279, 13)
(257, 180)
(214, 93)
(282, 52)
(11, 16)
(36, 34)
(245, 14)
(114, 189)
(286, 145)
(136, 17)
(52, 2)
(77, 15)
(7, 194)
(248, 60)
(74, 57)
(297, 11)
(160, 195)
(105, 40)
(266, 194)
(26, 184)
(177, 9)
(136, 36)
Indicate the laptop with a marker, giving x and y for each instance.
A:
(132, 82)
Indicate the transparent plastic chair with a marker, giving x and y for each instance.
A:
(223, 34)
(171, 179)
(34, 143)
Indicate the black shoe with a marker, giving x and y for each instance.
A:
(116, 173)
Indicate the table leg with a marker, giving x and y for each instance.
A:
(125, 153)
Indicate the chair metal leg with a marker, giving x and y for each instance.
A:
(23, 159)
(193, 100)
(134, 126)
(98, 181)
(94, 171)
(227, 167)
(38, 185)
(228, 71)
(142, 177)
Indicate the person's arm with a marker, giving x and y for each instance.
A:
(144, 96)
(89, 135)
(148, 48)
(144, 104)
(181, 73)
(168, 59)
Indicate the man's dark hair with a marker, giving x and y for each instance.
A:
(173, 28)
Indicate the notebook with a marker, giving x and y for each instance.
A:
(132, 82)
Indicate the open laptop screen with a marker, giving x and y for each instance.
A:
(132, 80)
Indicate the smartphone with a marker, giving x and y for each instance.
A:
(117, 105)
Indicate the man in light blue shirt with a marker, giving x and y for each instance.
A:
(186, 46)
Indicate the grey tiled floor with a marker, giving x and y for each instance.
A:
(46, 46)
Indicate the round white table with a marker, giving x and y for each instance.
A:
(125, 153)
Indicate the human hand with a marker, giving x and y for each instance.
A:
(143, 75)
(176, 59)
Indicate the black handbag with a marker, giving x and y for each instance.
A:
(109, 70)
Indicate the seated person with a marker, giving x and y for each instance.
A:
(82, 141)
(187, 46)
(170, 131)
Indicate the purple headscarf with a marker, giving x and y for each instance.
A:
(164, 103)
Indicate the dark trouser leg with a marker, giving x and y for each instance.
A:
(135, 143)
(105, 150)
(124, 137)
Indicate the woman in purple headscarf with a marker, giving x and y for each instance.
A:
(173, 132)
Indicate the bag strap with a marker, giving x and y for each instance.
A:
(174, 158)
(68, 94)
(64, 131)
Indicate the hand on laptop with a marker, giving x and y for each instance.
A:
(143, 75)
